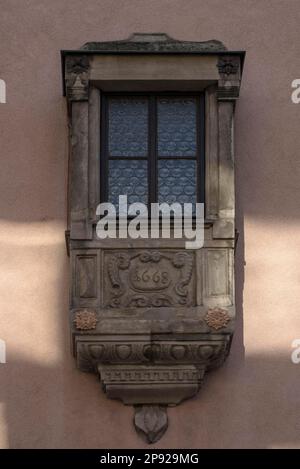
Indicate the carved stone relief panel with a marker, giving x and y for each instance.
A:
(217, 275)
(148, 278)
(86, 278)
(86, 274)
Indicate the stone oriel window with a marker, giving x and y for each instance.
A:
(149, 316)
(153, 147)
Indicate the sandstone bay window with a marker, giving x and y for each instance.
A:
(151, 118)
(153, 148)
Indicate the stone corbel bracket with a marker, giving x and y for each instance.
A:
(152, 374)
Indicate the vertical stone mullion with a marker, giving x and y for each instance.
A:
(211, 152)
(94, 151)
(79, 223)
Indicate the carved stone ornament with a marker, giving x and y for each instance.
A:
(150, 317)
(227, 66)
(229, 82)
(148, 278)
(77, 69)
(85, 320)
(151, 421)
(217, 318)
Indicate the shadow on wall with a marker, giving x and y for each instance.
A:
(48, 403)
(244, 404)
(249, 402)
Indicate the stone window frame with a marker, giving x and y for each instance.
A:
(83, 80)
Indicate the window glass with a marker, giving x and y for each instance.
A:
(176, 126)
(128, 127)
(128, 178)
(153, 150)
(177, 181)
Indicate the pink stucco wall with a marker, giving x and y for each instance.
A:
(254, 400)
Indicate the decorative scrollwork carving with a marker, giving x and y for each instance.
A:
(140, 301)
(149, 272)
(150, 256)
(184, 261)
(120, 261)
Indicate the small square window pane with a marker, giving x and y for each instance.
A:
(128, 126)
(128, 177)
(177, 126)
(177, 181)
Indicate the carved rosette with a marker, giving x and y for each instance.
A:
(77, 78)
(85, 320)
(217, 318)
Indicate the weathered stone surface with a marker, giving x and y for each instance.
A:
(148, 278)
(154, 42)
(151, 421)
(151, 384)
(198, 350)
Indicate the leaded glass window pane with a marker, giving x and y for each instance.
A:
(153, 150)
(177, 181)
(177, 126)
(128, 127)
(128, 177)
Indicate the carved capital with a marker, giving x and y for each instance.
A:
(77, 78)
(229, 81)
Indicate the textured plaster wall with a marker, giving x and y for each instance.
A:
(254, 400)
